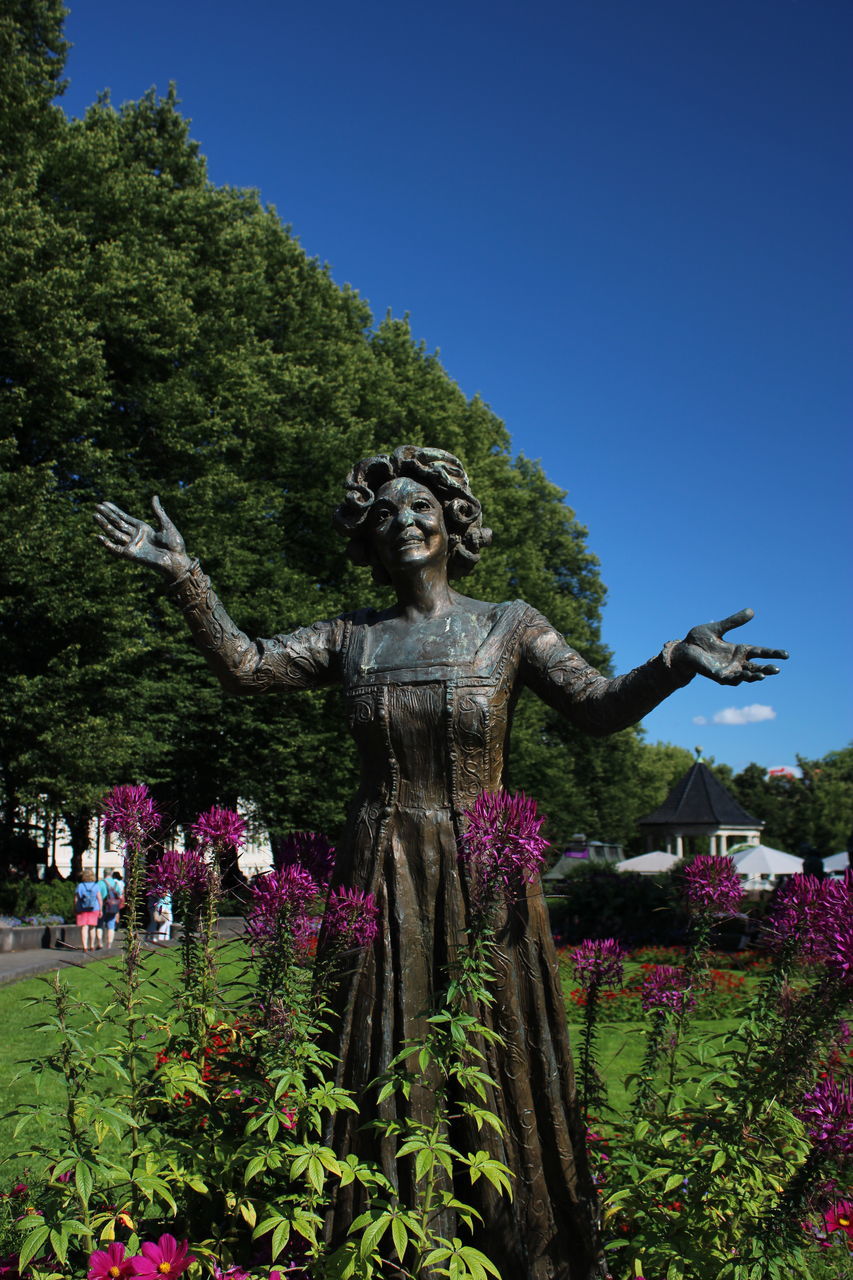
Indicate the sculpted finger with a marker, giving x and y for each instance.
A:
(117, 548)
(165, 522)
(766, 670)
(758, 652)
(734, 620)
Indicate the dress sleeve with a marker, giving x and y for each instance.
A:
(306, 659)
(591, 701)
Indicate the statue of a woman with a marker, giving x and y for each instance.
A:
(430, 685)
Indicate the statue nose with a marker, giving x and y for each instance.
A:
(406, 517)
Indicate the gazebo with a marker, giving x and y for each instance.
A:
(699, 805)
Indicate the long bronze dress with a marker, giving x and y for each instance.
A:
(430, 738)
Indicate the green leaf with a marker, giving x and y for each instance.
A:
(83, 1180)
(400, 1236)
(31, 1246)
(280, 1237)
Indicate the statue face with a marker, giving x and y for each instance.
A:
(407, 526)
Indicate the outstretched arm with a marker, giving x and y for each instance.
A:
(303, 660)
(598, 705)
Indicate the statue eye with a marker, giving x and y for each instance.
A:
(421, 504)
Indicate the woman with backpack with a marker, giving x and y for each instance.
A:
(88, 905)
(113, 903)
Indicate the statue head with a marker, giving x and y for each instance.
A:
(440, 472)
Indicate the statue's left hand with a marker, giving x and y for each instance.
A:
(704, 651)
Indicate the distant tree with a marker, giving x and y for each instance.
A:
(815, 809)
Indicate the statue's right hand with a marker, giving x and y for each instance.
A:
(126, 536)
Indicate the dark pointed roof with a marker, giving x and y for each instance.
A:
(700, 799)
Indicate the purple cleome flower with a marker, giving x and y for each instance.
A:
(178, 871)
(712, 885)
(666, 987)
(130, 812)
(503, 847)
(306, 849)
(279, 905)
(352, 917)
(598, 962)
(815, 917)
(219, 829)
(827, 1112)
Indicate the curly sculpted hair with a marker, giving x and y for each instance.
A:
(440, 472)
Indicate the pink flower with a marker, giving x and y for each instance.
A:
(503, 847)
(165, 1260)
(176, 871)
(306, 849)
(130, 812)
(827, 1112)
(711, 884)
(351, 917)
(279, 906)
(598, 963)
(665, 987)
(111, 1263)
(219, 829)
(840, 1218)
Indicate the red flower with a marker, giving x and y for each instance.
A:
(165, 1260)
(111, 1263)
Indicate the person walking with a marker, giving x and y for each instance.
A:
(113, 904)
(160, 918)
(87, 908)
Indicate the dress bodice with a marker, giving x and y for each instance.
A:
(433, 735)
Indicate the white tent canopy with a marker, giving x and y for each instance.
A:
(837, 861)
(761, 860)
(648, 863)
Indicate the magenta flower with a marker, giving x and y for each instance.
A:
(827, 1112)
(279, 906)
(307, 849)
(351, 918)
(666, 987)
(165, 1260)
(712, 885)
(178, 871)
(230, 1273)
(503, 847)
(219, 829)
(815, 918)
(130, 812)
(111, 1263)
(840, 1218)
(598, 962)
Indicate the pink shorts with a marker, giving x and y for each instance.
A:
(87, 917)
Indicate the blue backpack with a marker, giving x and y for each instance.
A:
(86, 898)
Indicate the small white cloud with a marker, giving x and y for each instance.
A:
(744, 715)
(700, 720)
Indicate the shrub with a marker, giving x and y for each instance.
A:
(598, 902)
(23, 898)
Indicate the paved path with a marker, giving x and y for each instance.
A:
(28, 964)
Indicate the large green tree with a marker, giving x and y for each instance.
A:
(161, 334)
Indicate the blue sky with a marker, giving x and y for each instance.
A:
(626, 223)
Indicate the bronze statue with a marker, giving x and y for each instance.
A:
(430, 685)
